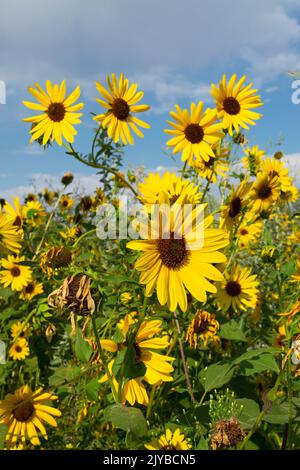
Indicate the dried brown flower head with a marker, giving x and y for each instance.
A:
(226, 433)
(75, 294)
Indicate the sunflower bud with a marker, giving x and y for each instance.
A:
(67, 179)
(75, 294)
(50, 332)
(226, 433)
(278, 155)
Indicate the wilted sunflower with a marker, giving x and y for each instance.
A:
(226, 433)
(202, 328)
(170, 441)
(179, 190)
(58, 113)
(238, 290)
(120, 101)
(24, 412)
(179, 254)
(264, 192)
(15, 275)
(234, 103)
(232, 211)
(54, 258)
(19, 350)
(253, 159)
(158, 367)
(32, 289)
(33, 213)
(194, 132)
(10, 236)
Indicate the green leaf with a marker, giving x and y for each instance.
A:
(258, 364)
(132, 366)
(232, 331)
(202, 444)
(92, 389)
(216, 375)
(83, 350)
(64, 373)
(3, 431)
(288, 268)
(129, 419)
(267, 236)
(279, 413)
(250, 354)
(249, 413)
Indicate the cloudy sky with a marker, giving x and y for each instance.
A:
(173, 48)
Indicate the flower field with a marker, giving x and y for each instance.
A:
(154, 329)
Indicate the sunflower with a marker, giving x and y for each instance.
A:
(212, 168)
(65, 202)
(238, 290)
(10, 235)
(15, 274)
(178, 256)
(146, 342)
(234, 103)
(264, 192)
(24, 412)
(126, 297)
(49, 196)
(120, 101)
(232, 212)
(70, 233)
(178, 190)
(248, 232)
(253, 159)
(296, 276)
(194, 133)
(33, 213)
(290, 194)
(18, 331)
(54, 258)
(57, 113)
(32, 289)
(14, 213)
(273, 168)
(202, 328)
(170, 441)
(19, 350)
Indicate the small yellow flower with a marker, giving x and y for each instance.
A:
(170, 441)
(19, 349)
(18, 331)
(15, 274)
(33, 213)
(202, 328)
(125, 297)
(66, 202)
(32, 289)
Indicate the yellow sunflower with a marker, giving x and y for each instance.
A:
(120, 101)
(232, 211)
(212, 168)
(33, 213)
(49, 196)
(235, 102)
(264, 192)
(202, 328)
(253, 159)
(179, 190)
(19, 350)
(179, 254)
(249, 232)
(146, 343)
(194, 133)
(15, 274)
(238, 290)
(170, 441)
(14, 213)
(273, 168)
(57, 113)
(290, 194)
(32, 289)
(66, 202)
(17, 330)
(10, 235)
(24, 413)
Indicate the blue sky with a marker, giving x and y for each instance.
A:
(174, 49)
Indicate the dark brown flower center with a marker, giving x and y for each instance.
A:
(194, 133)
(18, 349)
(18, 221)
(243, 231)
(58, 257)
(23, 411)
(15, 271)
(274, 173)
(233, 288)
(56, 112)
(120, 108)
(29, 288)
(210, 162)
(231, 105)
(173, 251)
(201, 326)
(138, 352)
(264, 191)
(235, 207)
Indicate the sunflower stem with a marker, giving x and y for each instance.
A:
(183, 358)
(149, 408)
